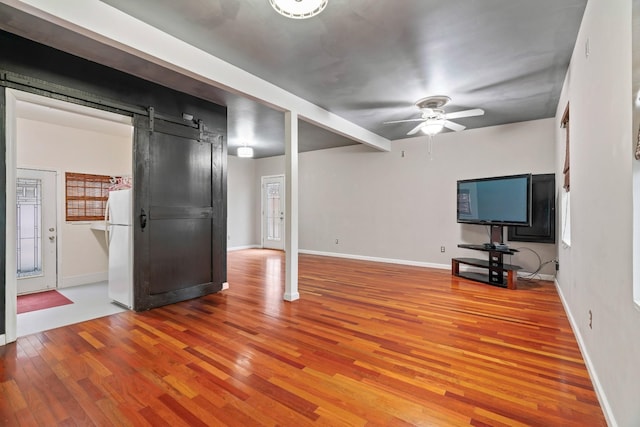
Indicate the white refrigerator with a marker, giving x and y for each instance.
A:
(118, 220)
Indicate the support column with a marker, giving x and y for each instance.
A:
(291, 205)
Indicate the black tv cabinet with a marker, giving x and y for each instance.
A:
(499, 273)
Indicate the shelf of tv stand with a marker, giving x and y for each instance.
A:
(484, 248)
(496, 268)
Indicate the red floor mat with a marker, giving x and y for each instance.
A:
(41, 300)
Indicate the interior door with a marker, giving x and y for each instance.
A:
(179, 212)
(36, 253)
(273, 212)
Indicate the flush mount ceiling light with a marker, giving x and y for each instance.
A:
(245, 151)
(299, 9)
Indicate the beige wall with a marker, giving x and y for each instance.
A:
(241, 203)
(402, 205)
(596, 271)
(48, 146)
(388, 207)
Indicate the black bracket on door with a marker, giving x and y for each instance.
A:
(152, 119)
(143, 219)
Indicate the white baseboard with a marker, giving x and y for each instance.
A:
(602, 397)
(377, 259)
(547, 277)
(3, 339)
(239, 248)
(225, 286)
(84, 279)
(416, 263)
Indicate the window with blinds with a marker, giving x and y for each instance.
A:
(86, 196)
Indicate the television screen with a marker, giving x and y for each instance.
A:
(502, 200)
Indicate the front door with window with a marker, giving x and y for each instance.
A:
(36, 230)
(273, 212)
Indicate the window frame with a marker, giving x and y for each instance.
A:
(565, 208)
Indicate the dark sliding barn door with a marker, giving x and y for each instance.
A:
(179, 212)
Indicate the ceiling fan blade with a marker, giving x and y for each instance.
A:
(454, 126)
(465, 113)
(403, 121)
(416, 129)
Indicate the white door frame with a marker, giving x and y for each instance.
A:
(262, 208)
(12, 97)
(11, 287)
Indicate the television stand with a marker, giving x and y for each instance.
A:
(496, 279)
(499, 273)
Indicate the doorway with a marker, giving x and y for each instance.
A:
(273, 207)
(51, 135)
(36, 224)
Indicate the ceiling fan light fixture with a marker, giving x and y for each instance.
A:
(433, 126)
(299, 9)
(245, 151)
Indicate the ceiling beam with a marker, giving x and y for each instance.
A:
(100, 22)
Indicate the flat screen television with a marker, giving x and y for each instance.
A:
(501, 200)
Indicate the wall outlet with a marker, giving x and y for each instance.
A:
(590, 320)
(441, 248)
(336, 241)
(557, 265)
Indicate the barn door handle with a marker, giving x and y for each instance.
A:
(143, 219)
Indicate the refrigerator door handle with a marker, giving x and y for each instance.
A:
(143, 219)
(106, 224)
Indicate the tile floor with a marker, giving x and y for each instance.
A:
(89, 302)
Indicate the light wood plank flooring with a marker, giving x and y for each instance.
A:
(367, 344)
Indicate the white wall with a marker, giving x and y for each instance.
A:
(50, 146)
(241, 203)
(384, 205)
(596, 271)
(388, 207)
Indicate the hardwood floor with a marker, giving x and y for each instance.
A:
(367, 344)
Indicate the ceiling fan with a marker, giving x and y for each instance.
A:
(434, 118)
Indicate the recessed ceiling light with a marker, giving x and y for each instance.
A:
(299, 9)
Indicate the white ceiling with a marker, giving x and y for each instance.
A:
(367, 61)
(60, 113)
